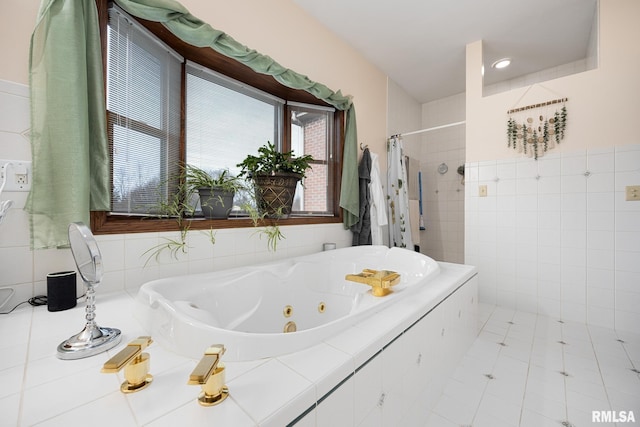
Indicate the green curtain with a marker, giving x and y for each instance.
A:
(198, 33)
(68, 124)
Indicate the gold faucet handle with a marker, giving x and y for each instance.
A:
(380, 281)
(207, 365)
(135, 363)
(209, 373)
(126, 355)
(389, 278)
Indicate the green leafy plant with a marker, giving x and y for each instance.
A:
(199, 178)
(270, 161)
(216, 190)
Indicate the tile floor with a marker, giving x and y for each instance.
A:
(527, 370)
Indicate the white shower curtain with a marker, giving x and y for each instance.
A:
(398, 200)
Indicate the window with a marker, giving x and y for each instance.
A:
(311, 128)
(143, 115)
(170, 104)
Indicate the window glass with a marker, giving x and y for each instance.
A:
(312, 133)
(224, 120)
(143, 103)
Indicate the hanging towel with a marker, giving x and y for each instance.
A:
(349, 185)
(362, 229)
(399, 220)
(377, 205)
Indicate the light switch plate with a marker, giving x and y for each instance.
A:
(482, 191)
(632, 192)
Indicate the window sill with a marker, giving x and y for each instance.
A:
(102, 223)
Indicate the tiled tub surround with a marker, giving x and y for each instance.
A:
(387, 369)
(556, 236)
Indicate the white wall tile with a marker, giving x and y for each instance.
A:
(627, 158)
(584, 234)
(573, 183)
(506, 169)
(627, 280)
(14, 112)
(549, 166)
(601, 182)
(549, 184)
(573, 163)
(601, 160)
(627, 321)
(628, 241)
(627, 261)
(627, 220)
(526, 168)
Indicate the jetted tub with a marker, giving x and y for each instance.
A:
(247, 309)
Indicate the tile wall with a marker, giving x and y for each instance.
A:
(23, 272)
(443, 193)
(556, 236)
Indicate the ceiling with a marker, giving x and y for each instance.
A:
(420, 44)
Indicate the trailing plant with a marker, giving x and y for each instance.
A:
(272, 231)
(178, 208)
(172, 245)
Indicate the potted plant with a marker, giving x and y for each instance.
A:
(275, 175)
(216, 191)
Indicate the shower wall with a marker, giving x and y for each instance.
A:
(443, 193)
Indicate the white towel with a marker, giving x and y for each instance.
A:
(378, 208)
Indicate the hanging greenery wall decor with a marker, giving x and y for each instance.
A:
(534, 137)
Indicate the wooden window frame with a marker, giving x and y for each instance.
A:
(106, 223)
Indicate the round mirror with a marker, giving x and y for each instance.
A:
(93, 339)
(86, 253)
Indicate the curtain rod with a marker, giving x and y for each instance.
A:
(430, 129)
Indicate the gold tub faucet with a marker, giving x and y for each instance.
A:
(135, 363)
(209, 373)
(380, 281)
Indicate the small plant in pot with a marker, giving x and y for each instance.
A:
(275, 175)
(216, 191)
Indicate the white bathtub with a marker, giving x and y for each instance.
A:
(244, 308)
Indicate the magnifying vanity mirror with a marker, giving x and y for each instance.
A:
(93, 339)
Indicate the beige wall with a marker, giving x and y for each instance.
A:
(278, 28)
(604, 104)
(15, 33)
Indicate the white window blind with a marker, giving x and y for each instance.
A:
(143, 103)
(226, 120)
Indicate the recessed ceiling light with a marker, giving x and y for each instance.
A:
(501, 63)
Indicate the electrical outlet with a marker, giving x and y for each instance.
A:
(15, 174)
(632, 193)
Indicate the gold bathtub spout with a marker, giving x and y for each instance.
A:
(135, 363)
(209, 373)
(380, 281)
